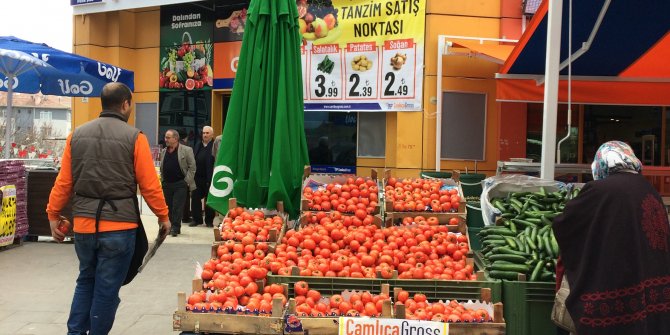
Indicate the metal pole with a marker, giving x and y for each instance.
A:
(551, 89)
(8, 115)
(441, 45)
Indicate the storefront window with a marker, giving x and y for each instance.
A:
(639, 126)
(569, 147)
(185, 111)
(331, 140)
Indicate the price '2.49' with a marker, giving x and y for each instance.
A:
(402, 89)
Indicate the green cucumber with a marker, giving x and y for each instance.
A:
(508, 275)
(554, 244)
(536, 271)
(506, 250)
(510, 242)
(547, 245)
(546, 220)
(533, 233)
(508, 257)
(499, 266)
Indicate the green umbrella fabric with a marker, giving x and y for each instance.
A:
(263, 149)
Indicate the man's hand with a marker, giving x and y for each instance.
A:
(164, 228)
(55, 232)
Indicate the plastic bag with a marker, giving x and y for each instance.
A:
(501, 186)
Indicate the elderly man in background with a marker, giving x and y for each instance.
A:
(204, 162)
(177, 172)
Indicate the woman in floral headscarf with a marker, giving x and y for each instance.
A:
(615, 246)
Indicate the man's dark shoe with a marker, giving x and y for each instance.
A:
(173, 233)
(209, 225)
(193, 224)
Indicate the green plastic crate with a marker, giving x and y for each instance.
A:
(474, 215)
(475, 241)
(528, 307)
(433, 289)
(471, 183)
(435, 174)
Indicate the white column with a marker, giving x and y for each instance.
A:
(551, 89)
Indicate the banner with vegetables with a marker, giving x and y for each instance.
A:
(7, 214)
(186, 48)
(360, 55)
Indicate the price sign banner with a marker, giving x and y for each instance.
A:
(362, 55)
(356, 55)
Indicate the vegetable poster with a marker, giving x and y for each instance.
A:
(8, 215)
(357, 55)
(186, 48)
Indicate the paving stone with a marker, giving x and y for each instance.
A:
(42, 329)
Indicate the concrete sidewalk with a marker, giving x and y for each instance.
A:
(37, 283)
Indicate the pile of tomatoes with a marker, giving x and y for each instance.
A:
(355, 194)
(242, 226)
(340, 246)
(417, 307)
(235, 282)
(427, 220)
(419, 195)
(312, 303)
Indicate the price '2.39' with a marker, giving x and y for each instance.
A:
(401, 90)
(322, 90)
(365, 91)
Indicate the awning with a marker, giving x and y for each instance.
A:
(624, 63)
(496, 53)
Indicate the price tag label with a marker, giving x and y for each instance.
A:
(326, 72)
(398, 79)
(362, 70)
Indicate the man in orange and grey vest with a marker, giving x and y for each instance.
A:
(103, 163)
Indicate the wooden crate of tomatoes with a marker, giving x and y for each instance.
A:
(471, 316)
(344, 193)
(336, 245)
(422, 195)
(251, 225)
(431, 219)
(229, 307)
(317, 312)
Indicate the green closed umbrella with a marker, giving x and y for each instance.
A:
(263, 148)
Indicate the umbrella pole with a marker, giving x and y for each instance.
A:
(8, 115)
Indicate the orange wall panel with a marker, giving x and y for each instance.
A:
(409, 145)
(147, 26)
(464, 66)
(512, 124)
(391, 138)
(127, 29)
(480, 8)
(510, 28)
(146, 69)
(511, 9)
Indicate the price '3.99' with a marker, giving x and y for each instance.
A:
(322, 91)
